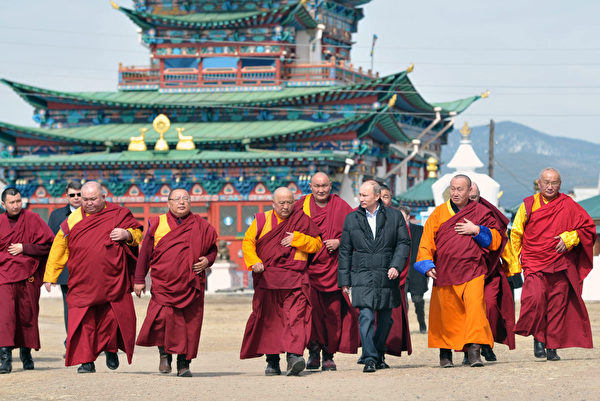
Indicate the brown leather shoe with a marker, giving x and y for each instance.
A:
(164, 365)
(184, 372)
(446, 358)
(474, 354)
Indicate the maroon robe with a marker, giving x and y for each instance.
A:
(334, 320)
(21, 278)
(552, 309)
(281, 312)
(101, 313)
(176, 309)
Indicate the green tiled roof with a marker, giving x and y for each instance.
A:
(592, 206)
(419, 193)
(281, 15)
(206, 132)
(173, 156)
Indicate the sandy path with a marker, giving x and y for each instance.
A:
(219, 374)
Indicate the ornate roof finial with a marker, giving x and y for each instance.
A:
(161, 125)
(114, 5)
(410, 68)
(392, 100)
(136, 143)
(432, 167)
(465, 130)
(485, 94)
(186, 142)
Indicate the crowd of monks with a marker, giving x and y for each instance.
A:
(327, 278)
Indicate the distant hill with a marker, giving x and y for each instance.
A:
(521, 152)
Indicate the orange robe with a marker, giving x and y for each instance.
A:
(457, 312)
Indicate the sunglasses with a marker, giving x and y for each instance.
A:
(75, 194)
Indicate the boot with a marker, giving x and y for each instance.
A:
(112, 360)
(488, 353)
(465, 361)
(5, 359)
(539, 350)
(328, 363)
(25, 355)
(446, 358)
(420, 310)
(314, 356)
(164, 365)
(183, 366)
(474, 354)
(88, 367)
(295, 364)
(273, 368)
(551, 355)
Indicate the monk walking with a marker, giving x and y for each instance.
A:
(96, 240)
(334, 320)
(178, 248)
(276, 248)
(25, 240)
(554, 237)
(459, 236)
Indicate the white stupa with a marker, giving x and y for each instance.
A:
(465, 161)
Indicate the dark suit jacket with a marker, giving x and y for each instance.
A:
(55, 220)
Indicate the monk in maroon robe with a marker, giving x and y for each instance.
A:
(25, 240)
(178, 248)
(554, 237)
(334, 320)
(276, 248)
(96, 241)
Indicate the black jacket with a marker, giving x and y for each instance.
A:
(54, 222)
(416, 283)
(364, 262)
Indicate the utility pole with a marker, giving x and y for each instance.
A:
(491, 151)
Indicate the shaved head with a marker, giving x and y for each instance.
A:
(92, 197)
(283, 202)
(320, 185)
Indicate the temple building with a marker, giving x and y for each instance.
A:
(239, 97)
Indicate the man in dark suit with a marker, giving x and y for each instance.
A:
(416, 283)
(73, 192)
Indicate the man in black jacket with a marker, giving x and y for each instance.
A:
(73, 192)
(374, 248)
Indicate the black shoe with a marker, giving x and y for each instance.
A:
(183, 366)
(539, 350)
(295, 364)
(112, 360)
(381, 365)
(446, 358)
(551, 355)
(369, 367)
(488, 353)
(5, 360)
(25, 355)
(465, 361)
(272, 369)
(87, 367)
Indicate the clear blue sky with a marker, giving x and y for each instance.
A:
(540, 59)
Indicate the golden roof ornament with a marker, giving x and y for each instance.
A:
(392, 101)
(432, 167)
(161, 125)
(114, 5)
(485, 94)
(136, 143)
(465, 130)
(410, 68)
(186, 142)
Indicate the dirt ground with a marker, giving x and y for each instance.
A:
(219, 374)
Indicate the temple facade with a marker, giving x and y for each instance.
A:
(238, 98)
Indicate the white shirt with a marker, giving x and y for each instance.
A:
(372, 220)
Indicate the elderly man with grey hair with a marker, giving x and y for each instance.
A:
(373, 251)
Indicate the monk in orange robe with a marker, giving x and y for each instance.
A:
(96, 241)
(178, 248)
(554, 237)
(276, 248)
(334, 320)
(455, 250)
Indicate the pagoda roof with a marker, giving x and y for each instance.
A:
(149, 158)
(408, 98)
(211, 132)
(420, 193)
(291, 14)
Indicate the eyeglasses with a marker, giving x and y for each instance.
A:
(75, 194)
(180, 199)
(548, 183)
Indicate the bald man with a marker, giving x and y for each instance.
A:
(334, 320)
(97, 241)
(276, 249)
